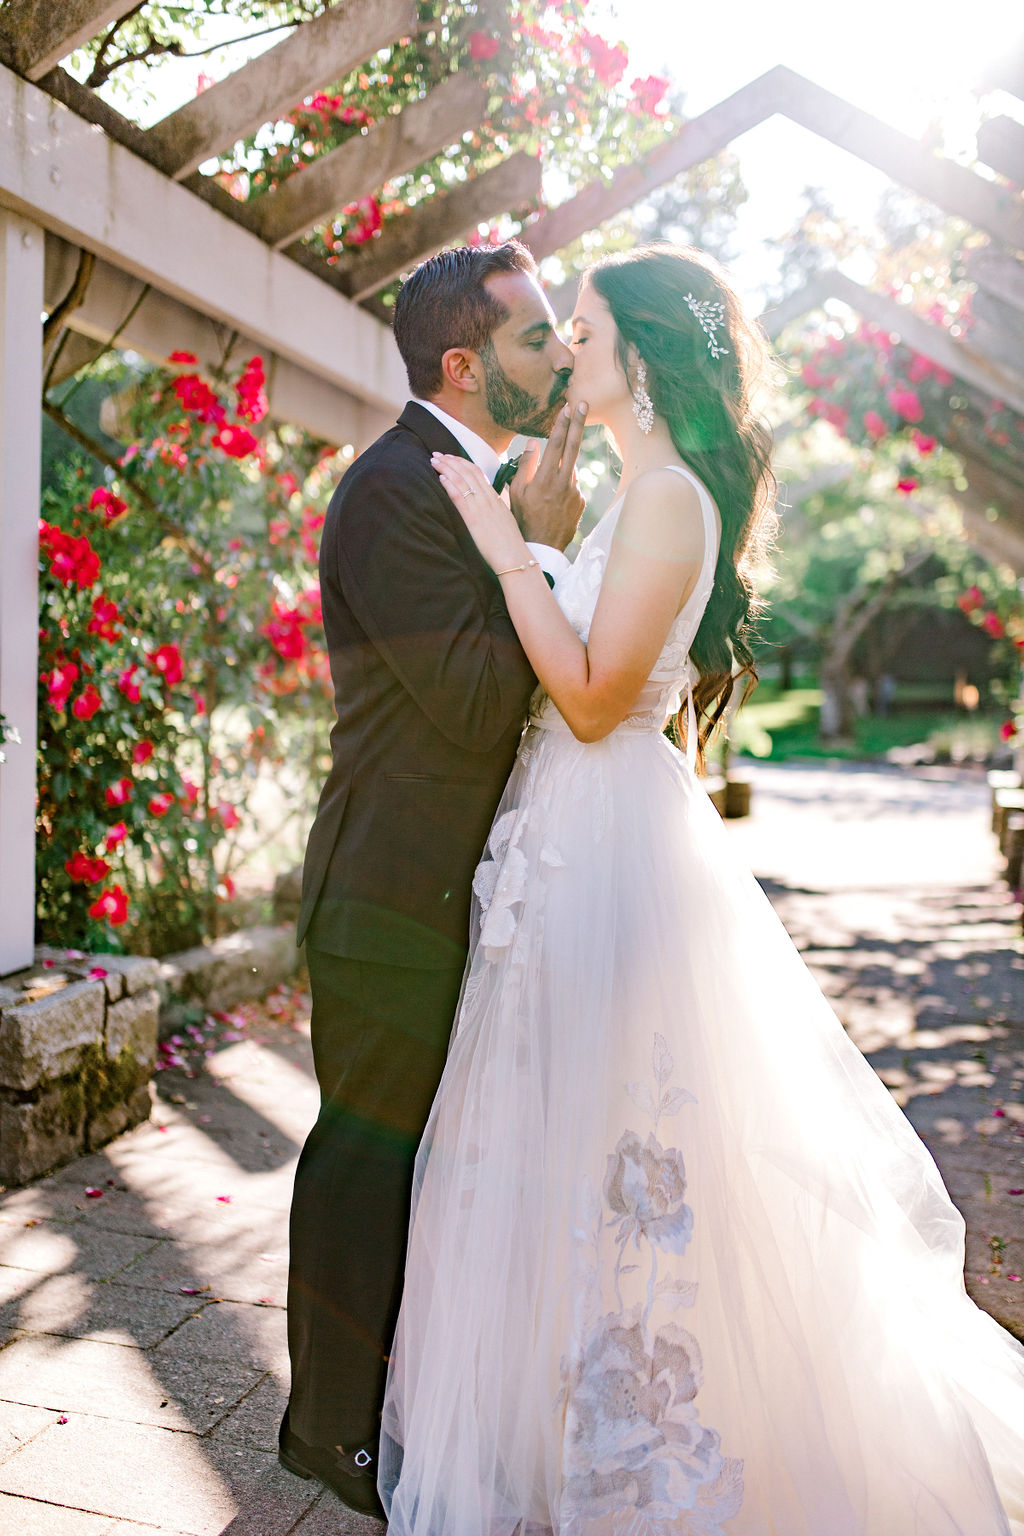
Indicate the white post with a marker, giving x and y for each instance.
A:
(21, 362)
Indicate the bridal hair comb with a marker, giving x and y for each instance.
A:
(709, 315)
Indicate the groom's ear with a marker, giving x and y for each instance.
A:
(462, 369)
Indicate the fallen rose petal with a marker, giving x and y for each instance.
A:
(93, 1192)
(1015, 1191)
(1013, 1277)
(62, 1419)
(224, 1199)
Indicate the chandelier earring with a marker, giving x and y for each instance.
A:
(643, 405)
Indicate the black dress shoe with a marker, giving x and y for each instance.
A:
(352, 1475)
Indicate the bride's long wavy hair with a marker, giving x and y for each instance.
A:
(707, 402)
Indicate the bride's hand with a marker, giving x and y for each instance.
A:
(490, 520)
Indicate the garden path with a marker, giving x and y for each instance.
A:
(142, 1324)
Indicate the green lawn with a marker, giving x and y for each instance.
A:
(778, 725)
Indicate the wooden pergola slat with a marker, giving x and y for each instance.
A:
(101, 197)
(1001, 145)
(948, 185)
(363, 164)
(1000, 273)
(436, 222)
(960, 358)
(35, 36)
(312, 55)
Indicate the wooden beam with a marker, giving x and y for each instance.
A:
(436, 222)
(60, 171)
(998, 330)
(948, 185)
(1001, 145)
(314, 54)
(35, 36)
(158, 325)
(697, 141)
(86, 104)
(1000, 273)
(363, 164)
(961, 359)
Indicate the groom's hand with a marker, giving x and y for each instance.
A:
(545, 493)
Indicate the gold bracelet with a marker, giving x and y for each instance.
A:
(512, 568)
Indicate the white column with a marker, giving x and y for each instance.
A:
(21, 304)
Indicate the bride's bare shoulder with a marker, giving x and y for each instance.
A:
(661, 516)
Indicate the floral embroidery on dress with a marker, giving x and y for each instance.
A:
(637, 1458)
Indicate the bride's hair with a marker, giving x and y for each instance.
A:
(652, 292)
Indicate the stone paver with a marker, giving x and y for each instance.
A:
(142, 1288)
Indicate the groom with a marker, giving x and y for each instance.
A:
(431, 693)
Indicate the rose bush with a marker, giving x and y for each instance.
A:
(181, 652)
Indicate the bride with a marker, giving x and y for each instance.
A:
(677, 1263)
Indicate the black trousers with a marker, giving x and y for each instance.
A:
(380, 1038)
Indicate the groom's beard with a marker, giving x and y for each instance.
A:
(512, 407)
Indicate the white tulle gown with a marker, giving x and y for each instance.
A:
(677, 1262)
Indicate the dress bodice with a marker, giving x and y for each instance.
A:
(673, 673)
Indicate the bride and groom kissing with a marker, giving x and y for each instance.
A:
(646, 1111)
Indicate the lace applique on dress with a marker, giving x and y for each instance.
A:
(636, 1454)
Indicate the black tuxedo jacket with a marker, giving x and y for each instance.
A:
(431, 693)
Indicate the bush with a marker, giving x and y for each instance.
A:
(181, 652)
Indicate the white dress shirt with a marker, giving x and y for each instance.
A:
(551, 560)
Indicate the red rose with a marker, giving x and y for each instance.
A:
(128, 686)
(229, 816)
(922, 443)
(112, 505)
(235, 441)
(59, 683)
(160, 804)
(648, 94)
(142, 752)
(87, 703)
(874, 425)
(198, 398)
(104, 621)
(1008, 730)
(992, 624)
(115, 835)
(184, 357)
(906, 485)
(120, 792)
(905, 402)
(191, 791)
(111, 906)
(608, 63)
(285, 633)
(252, 401)
(482, 46)
(86, 870)
(168, 661)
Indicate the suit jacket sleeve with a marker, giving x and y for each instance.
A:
(440, 624)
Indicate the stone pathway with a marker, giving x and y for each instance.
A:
(142, 1326)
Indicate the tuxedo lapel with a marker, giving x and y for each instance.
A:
(432, 433)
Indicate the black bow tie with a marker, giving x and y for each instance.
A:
(506, 473)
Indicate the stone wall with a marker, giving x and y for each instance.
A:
(78, 1037)
(77, 1049)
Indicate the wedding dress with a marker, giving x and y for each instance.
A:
(677, 1262)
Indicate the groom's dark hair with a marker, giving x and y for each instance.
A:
(444, 304)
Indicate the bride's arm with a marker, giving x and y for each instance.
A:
(652, 567)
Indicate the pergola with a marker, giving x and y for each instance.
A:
(109, 230)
